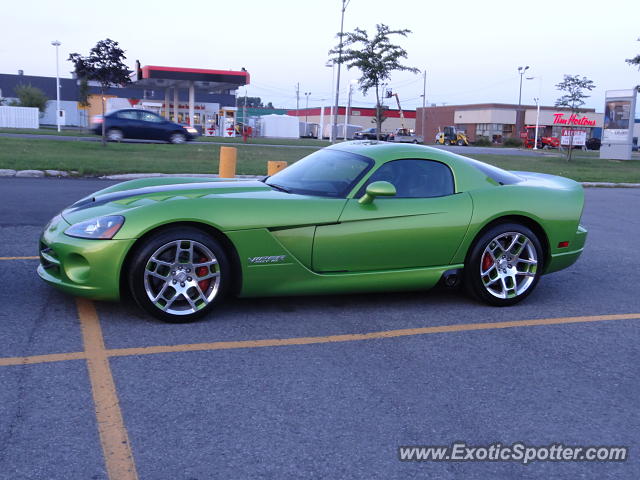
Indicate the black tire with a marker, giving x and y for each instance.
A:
(415, 142)
(177, 138)
(460, 143)
(447, 142)
(178, 279)
(510, 276)
(114, 135)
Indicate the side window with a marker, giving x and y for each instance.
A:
(151, 117)
(414, 178)
(128, 115)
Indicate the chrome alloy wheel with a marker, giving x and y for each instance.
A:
(182, 277)
(508, 265)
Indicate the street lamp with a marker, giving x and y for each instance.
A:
(521, 71)
(306, 112)
(537, 100)
(332, 65)
(56, 43)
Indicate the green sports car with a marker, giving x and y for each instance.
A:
(354, 217)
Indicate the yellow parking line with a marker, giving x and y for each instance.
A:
(279, 342)
(19, 258)
(52, 357)
(113, 434)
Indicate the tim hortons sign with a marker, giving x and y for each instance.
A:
(584, 121)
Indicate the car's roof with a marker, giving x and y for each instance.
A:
(131, 110)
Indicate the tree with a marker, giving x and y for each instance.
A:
(30, 96)
(380, 118)
(105, 65)
(255, 102)
(375, 57)
(635, 60)
(574, 86)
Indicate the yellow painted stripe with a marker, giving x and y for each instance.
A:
(19, 258)
(53, 357)
(279, 342)
(113, 434)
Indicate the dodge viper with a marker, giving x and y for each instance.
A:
(354, 217)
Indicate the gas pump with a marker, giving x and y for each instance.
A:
(211, 125)
(227, 121)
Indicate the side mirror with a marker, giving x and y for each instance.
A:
(377, 189)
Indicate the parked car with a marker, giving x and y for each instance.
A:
(369, 134)
(353, 217)
(593, 143)
(142, 124)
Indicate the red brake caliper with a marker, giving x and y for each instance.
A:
(486, 262)
(202, 271)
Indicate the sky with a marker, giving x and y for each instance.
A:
(470, 50)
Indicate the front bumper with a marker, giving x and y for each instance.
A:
(87, 268)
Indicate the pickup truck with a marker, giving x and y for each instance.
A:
(404, 135)
(369, 134)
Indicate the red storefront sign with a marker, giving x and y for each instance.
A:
(584, 121)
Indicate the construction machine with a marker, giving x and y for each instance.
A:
(452, 136)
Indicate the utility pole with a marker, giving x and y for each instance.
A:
(335, 118)
(297, 97)
(519, 112)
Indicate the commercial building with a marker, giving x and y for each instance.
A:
(357, 116)
(185, 95)
(497, 121)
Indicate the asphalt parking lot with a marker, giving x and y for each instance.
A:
(317, 387)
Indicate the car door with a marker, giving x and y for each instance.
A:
(152, 126)
(127, 121)
(421, 226)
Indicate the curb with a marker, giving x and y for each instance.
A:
(134, 176)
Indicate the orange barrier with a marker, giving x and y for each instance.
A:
(228, 160)
(274, 167)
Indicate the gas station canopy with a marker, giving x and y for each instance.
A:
(215, 81)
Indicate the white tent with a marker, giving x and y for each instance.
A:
(279, 126)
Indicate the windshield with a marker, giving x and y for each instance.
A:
(325, 173)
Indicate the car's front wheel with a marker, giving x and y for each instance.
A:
(179, 274)
(177, 138)
(504, 265)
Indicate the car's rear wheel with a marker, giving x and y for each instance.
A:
(177, 138)
(178, 275)
(504, 265)
(114, 135)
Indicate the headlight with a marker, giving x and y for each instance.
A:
(102, 228)
(191, 130)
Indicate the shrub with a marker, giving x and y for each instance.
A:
(482, 142)
(29, 96)
(512, 142)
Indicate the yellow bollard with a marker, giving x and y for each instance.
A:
(228, 156)
(274, 167)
